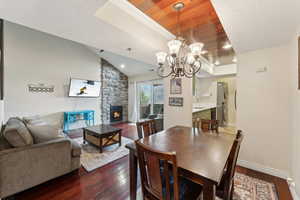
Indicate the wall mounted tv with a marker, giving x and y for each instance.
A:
(84, 88)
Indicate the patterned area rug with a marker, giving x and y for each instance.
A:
(246, 188)
(92, 159)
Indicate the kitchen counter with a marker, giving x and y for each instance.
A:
(199, 108)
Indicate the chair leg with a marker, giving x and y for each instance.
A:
(232, 191)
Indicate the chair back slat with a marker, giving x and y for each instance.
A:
(146, 128)
(167, 182)
(206, 124)
(155, 172)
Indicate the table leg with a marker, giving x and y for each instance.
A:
(84, 136)
(120, 136)
(209, 191)
(101, 145)
(133, 175)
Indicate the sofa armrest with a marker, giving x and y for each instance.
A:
(76, 148)
(25, 167)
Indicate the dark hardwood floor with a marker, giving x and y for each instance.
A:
(111, 182)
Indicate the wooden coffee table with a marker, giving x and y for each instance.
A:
(102, 135)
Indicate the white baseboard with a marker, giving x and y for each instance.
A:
(264, 169)
(294, 193)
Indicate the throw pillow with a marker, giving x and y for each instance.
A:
(16, 133)
(44, 133)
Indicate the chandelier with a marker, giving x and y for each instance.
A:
(183, 59)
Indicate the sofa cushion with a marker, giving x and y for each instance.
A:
(34, 120)
(16, 133)
(76, 148)
(44, 133)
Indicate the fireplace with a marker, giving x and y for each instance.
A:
(116, 113)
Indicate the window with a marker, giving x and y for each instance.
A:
(158, 99)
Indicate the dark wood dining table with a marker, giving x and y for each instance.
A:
(201, 156)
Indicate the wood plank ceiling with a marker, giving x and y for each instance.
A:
(198, 22)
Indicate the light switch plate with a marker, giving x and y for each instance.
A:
(261, 69)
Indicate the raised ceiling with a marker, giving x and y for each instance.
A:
(198, 22)
(257, 24)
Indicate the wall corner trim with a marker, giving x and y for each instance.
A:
(263, 169)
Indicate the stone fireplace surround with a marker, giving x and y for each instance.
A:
(114, 91)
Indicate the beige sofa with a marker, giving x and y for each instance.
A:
(27, 164)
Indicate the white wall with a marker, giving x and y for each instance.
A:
(263, 109)
(1, 112)
(178, 115)
(33, 57)
(295, 114)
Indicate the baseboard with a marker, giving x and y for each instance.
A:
(294, 193)
(263, 169)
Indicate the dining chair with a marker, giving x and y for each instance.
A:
(209, 125)
(226, 187)
(159, 176)
(214, 125)
(146, 128)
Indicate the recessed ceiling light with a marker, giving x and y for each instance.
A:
(122, 66)
(227, 46)
(234, 60)
(204, 52)
(217, 62)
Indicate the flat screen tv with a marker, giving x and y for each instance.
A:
(84, 88)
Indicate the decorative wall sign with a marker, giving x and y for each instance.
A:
(175, 86)
(176, 101)
(40, 88)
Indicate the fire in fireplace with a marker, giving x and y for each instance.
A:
(116, 113)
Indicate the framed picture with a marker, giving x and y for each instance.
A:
(175, 86)
(176, 101)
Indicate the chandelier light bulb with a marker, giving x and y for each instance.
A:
(161, 57)
(196, 48)
(227, 46)
(217, 62)
(204, 52)
(234, 60)
(174, 46)
(190, 59)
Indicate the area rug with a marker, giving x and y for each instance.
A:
(92, 159)
(246, 188)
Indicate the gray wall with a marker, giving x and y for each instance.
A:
(34, 57)
(114, 91)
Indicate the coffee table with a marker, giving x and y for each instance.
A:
(102, 136)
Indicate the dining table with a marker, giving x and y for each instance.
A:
(201, 156)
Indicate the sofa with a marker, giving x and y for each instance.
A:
(28, 159)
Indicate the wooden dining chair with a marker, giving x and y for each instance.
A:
(226, 187)
(214, 125)
(146, 128)
(159, 176)
(209, 125)
(205, 125)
